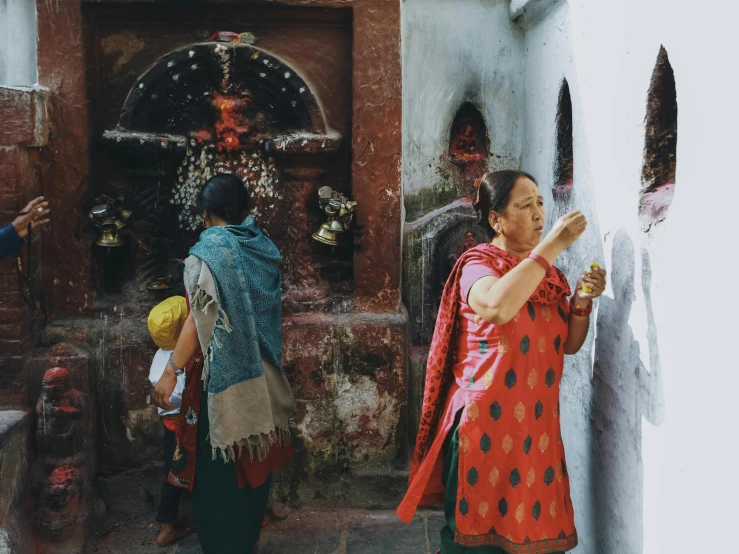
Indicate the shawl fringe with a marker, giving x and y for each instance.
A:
(257, 445)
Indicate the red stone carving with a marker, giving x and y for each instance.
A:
(59, 411)
(62, 445)
(63, 505)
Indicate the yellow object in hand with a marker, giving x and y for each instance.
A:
(586, 289)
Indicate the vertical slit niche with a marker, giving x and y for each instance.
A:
(564, 161)
(469, 145)
(660, 145)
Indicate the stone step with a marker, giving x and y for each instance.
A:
(345, 532)
(306, 531)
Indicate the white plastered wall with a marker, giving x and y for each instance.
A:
(18, 35)
(663, 395)
(648, 431)
(453, 52)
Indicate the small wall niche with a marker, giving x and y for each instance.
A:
(469, 146)
(660, 145)
(564, 160)
(469, 139)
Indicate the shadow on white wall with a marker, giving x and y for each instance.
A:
(624, 392)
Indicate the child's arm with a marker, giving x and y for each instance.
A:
(186, 347)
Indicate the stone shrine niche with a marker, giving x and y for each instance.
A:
(564, 159)
(660, 145)
(233, 107)
(469, 146)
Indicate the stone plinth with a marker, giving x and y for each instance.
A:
(15, 433)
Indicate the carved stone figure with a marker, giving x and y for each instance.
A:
(59, 412)
(63, 506)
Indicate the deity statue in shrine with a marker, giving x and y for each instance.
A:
(59, 411)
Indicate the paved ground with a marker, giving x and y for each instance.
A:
(303, 532)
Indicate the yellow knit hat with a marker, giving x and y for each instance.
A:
(166, 321)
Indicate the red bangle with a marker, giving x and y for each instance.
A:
(581, 312)
(540, 260)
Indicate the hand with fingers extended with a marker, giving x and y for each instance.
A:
(34, 215)
(567, 229)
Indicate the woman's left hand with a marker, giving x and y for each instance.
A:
(164, 388)
(594, 279)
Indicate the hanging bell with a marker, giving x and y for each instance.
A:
(326, 234)
(109, 235)
(124, 215)
(336, 226)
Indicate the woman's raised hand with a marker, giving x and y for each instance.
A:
(35, 214)
(567, 229)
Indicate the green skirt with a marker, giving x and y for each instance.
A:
(228, 519)
(449, 475)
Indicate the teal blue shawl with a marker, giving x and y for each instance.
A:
(245, 265)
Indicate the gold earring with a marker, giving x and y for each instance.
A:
(206, 224)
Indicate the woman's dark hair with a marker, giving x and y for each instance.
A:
(494, 193)
(225, 196)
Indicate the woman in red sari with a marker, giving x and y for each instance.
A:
(489, 445)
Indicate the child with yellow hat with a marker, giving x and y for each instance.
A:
(165, 324)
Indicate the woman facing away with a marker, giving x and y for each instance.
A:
(233, 430)
(489, 444)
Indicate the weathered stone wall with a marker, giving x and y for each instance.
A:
(24, 112)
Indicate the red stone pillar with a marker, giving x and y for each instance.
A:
(302, 160)
(377, 147)
(65, 167)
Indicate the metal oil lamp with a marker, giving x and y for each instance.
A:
(339, 211)
(109, 217)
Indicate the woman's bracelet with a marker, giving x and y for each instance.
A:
(541, 260)
(580, 312)
(177, 370)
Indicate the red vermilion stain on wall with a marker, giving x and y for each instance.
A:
(232, 120)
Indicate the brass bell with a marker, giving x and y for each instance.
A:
(326, 234)
(109, 235)
(336, 226)
(109, 217)
(339, 211)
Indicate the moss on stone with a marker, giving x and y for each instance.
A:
(444, 191)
